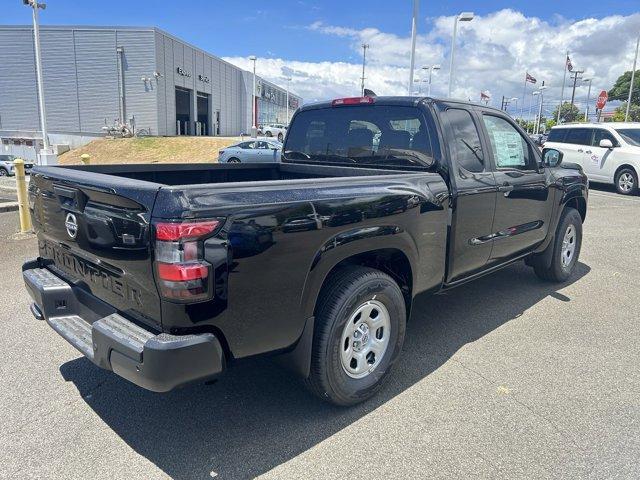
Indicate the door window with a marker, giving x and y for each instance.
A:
(601, 134)
(262, 145)
(578, 136)
(510, 149)
(557, 135)
(466, 148)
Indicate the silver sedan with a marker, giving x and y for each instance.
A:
(265, 151)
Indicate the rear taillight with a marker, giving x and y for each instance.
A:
(181, 271)
(352, 101)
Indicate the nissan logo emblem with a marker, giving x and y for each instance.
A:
(71, 224)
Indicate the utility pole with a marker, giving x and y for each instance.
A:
(576, 76)
(46, 155)
(633, 74)
(414, 32)
(364, 61)
(586, 110)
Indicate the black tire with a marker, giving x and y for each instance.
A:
(343, 293)
(268, 134)
(280, 137)
(631, 178)
(4, 172)
(233, 160)
(560, 271)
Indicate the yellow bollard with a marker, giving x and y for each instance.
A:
(85, 158)
(23, 199)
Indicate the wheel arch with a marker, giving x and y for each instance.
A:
(622, 167)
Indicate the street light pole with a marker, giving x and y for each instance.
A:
(254, 128)
(541, 90)
(633, 74)
(463, 17)
(288, 79)
(533, 94)
(364, 61)
(586, 110)
(414, 31)
(46, 156)
(431, 69)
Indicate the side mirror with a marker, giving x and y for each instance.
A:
(606, 143)
(552, 157)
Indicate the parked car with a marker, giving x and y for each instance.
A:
(251, 151)
(608, 152)
(538, 138)
(167, 275)
(276, 130)
(7, 167)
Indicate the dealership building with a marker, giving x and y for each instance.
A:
(96, 77)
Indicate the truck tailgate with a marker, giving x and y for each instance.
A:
(93, 230)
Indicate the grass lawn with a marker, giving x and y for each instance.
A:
(150, 150)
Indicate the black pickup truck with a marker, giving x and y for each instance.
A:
(167, 274)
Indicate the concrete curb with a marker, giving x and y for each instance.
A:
(8, 207)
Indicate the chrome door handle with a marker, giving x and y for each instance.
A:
(505, 187)
(588, 151)
(580, 150)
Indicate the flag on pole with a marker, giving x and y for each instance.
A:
(530, 78)
(485, 96)
(569, 64)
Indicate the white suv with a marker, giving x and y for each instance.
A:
(608, 152)
(273, 130)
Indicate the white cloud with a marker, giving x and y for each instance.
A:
(493, 52)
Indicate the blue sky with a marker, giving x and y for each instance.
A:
(318, 42)
(274, 27)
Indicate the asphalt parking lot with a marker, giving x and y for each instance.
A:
(507, 377)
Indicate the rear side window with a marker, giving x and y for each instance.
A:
(578, 136)
(466, 149)
(366, 135)
(557, 135)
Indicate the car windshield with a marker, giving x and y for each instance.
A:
(376, 136)
(630, 135)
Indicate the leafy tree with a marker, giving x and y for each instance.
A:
(634, 113)
(620, 90)
(550, 123)
(568, 113)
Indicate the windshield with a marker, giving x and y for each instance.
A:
(630, 135)
(368, 135)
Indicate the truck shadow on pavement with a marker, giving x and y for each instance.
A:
(257, 416)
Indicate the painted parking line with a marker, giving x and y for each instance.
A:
(615, 196)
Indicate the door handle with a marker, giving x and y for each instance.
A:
(580, 150)
(505, 187)
(588, 151)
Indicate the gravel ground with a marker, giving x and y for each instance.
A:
(507, 377)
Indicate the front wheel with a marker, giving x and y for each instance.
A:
(268, 134)
(359, 332)
(566, 248)
(626, 181)
(233, 160)
(280, 137)
(4, 172)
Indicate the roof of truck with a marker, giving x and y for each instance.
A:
(399, 100)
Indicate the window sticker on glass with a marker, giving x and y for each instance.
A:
(506, 142)
(508, 148)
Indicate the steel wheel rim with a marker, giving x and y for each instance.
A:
(625, 182)
(365, 339)
(568, 245)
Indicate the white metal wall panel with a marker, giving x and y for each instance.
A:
(169, 85)
(140, 62)
(18, 98)
(160, 84)
(96, 62)
(60, 80)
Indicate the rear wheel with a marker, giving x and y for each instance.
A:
(269, 134)
(4, 172)
(280, 137)
(359, 332)
(626, 181)
(234, 160)
(566, 249)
